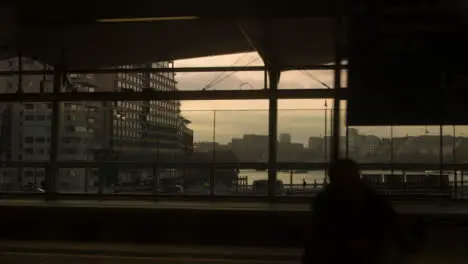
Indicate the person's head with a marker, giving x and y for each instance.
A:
(344, 172)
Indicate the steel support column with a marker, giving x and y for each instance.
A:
(53, 169)
(19, 92)
(335, 151)
(273, 77)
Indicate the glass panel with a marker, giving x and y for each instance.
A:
(41, 83)
(311, 79)
(236, 130)
(461, 144)
(229, 80)
(22, 179)
(461, 157)
(416, 144)
(25, 131)
(369, 144)
(79, 180)
(25, 136)
(303, 128)
(239, 59)
(448, 144)
(215, 81)
(302, 182)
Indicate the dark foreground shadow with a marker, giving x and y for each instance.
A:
(352, 224)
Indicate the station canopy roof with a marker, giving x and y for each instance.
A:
(95, 34)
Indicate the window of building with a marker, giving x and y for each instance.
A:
(28, 140)
(29, 106)
(28, 151)
(40, 139)
(41, 117)
(69, 128)
(69, 151)
(29, 117)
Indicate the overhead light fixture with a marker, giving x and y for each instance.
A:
(144, 19)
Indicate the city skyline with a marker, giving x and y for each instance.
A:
(293, 141)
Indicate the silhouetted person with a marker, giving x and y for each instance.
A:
(350, 223)
(304, 183)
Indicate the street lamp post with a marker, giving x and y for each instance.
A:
(326, 133)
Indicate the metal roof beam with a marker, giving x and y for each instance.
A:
(173, 95)
(175, 69)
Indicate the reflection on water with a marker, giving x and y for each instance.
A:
(319, 175)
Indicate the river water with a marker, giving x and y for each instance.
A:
(319, 176)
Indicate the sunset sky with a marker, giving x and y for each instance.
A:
(300, 118)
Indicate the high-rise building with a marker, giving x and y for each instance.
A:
(143, 127)
(142, 130)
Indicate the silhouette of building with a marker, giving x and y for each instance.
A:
(285, 138)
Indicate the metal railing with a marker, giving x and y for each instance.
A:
(208, 179)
